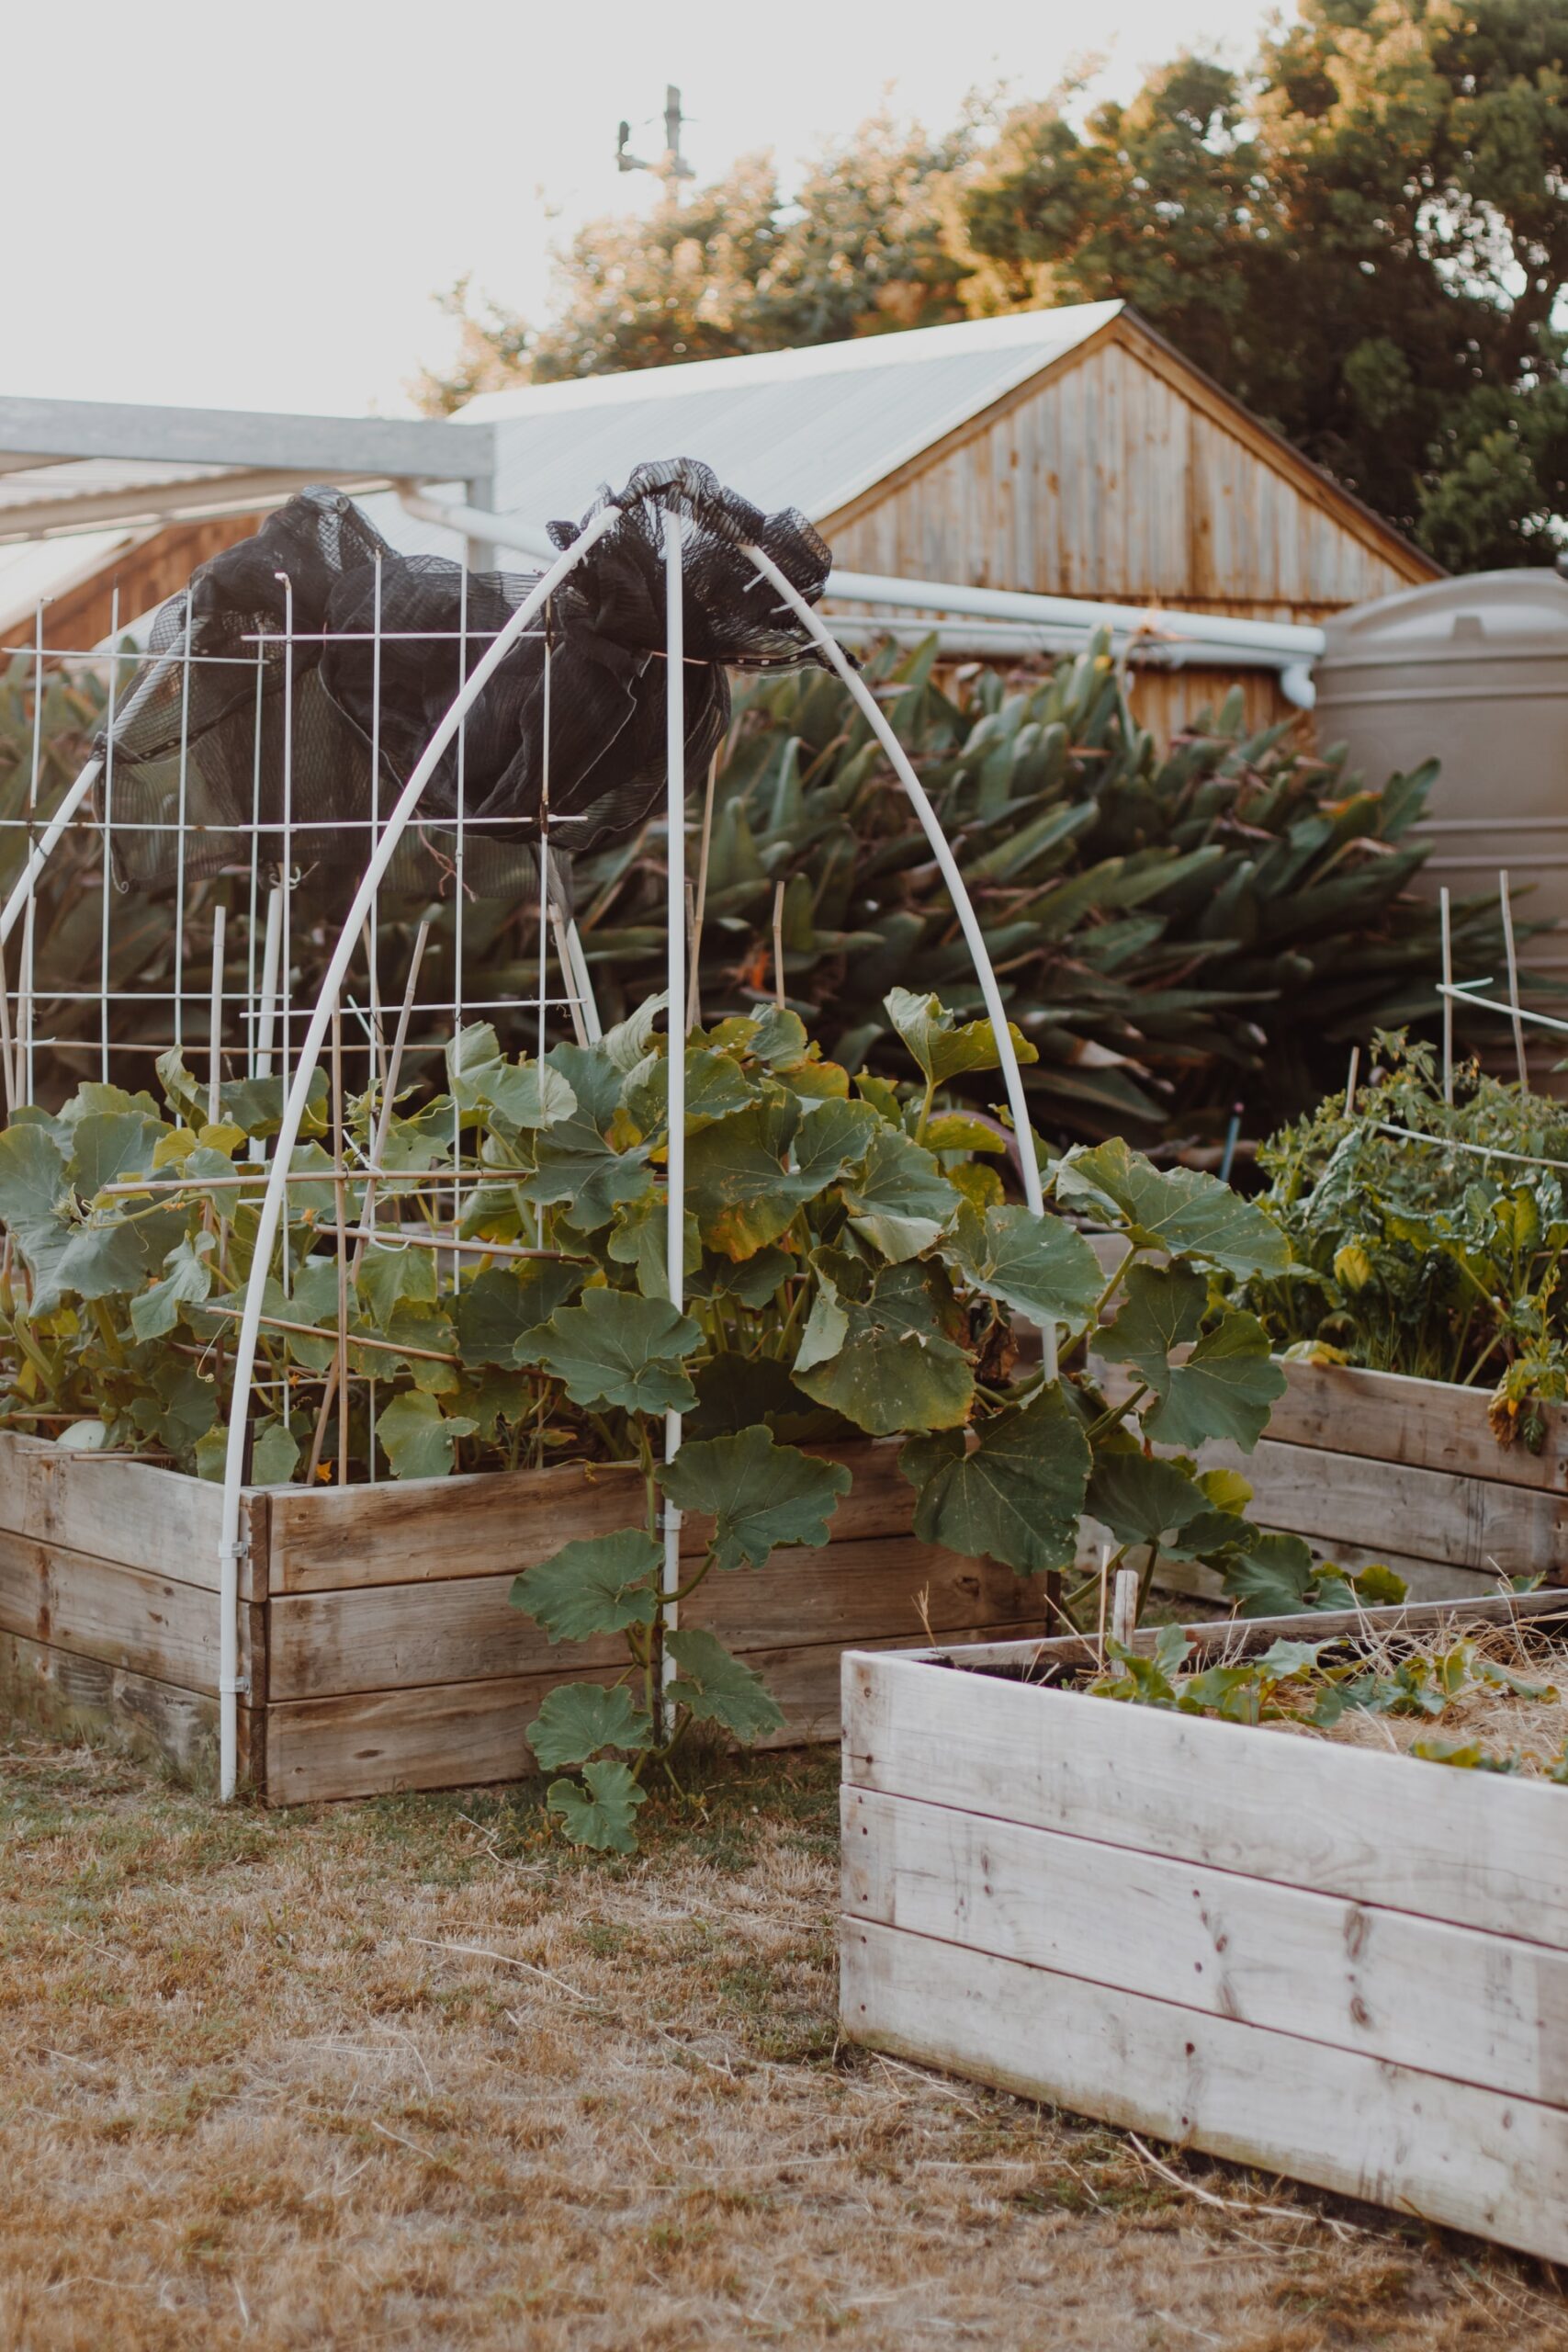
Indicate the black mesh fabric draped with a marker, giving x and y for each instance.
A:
(595, 657)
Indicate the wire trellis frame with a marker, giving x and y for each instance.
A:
(257, 1021)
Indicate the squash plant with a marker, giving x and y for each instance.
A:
(852, 1265)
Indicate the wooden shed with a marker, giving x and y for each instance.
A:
(1069, 452)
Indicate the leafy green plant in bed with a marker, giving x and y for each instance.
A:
(1317, 1683)
(853, 1266)
(1414, 1251)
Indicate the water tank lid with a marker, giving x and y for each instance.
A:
(1499, 615)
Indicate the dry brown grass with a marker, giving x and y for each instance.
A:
(406, 2073)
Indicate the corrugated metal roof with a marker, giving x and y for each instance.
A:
(811, 428)
(76, 477)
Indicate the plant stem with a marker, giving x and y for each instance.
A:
(1116, 1413)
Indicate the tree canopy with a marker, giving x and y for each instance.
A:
(1363, 237)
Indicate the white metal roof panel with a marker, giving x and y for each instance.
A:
(809, 428)
(82, 477)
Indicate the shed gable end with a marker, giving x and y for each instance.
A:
(1120, 473)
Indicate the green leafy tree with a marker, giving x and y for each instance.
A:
(1364, 236)
(861, 247)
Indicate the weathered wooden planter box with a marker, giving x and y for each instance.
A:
(375, 1630)
(1371, 1465)
(1341, 1964)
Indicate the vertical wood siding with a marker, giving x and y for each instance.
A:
(1114, 478)
(80, 617)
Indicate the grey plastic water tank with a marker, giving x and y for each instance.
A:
(1473, 672)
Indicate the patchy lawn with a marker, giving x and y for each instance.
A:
(406, 2073)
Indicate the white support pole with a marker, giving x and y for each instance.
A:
(675, 985)
(215, 1054)
(1007, 1057)
(266, 1006)
(1445, 908)
(303, 1067)
(107, 843)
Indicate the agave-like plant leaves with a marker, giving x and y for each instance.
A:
(1174, 929)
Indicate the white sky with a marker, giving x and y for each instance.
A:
(253, 208)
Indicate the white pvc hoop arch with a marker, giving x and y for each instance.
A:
(229, 1548)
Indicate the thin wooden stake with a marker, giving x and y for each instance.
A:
(694, 991)
(1448, 1000)
(13, 1089)
(377, 1027)
(1351, 1081)
(569, 974)
(1104, 1596)
(778, 944)
(1124, 1607)
(1513, 984)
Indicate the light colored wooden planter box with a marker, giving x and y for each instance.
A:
(375, 1630)
(1341, 1964)
(1371, 1465)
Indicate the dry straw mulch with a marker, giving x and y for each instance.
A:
(407, 2074)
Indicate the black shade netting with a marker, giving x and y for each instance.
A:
(289, 694)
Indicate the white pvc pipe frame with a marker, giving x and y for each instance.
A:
(230, 1547)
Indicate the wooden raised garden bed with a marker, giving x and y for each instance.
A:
(375, 1630)
(1331, 1961)
(1371, 1466)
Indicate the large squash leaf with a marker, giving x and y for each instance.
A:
(747, 1175)
(1162, 1308)
(481, 1079)
(1179, 1209)
(574, 1165)
(498, 1306)
(599, 1584)
(878, 1349)
(580, 1718)
(1141, 1498)
(1041, 1265)
(617, 1348)
(719, 1688)
(758, 1494)
(419, 1438)
(943, 1046)
(1016, 1496)
(601, 1814)
(1225, 1388)
(899, 1198)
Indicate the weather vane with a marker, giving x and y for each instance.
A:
(672, 167)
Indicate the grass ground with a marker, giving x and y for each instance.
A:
(408, 2073)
